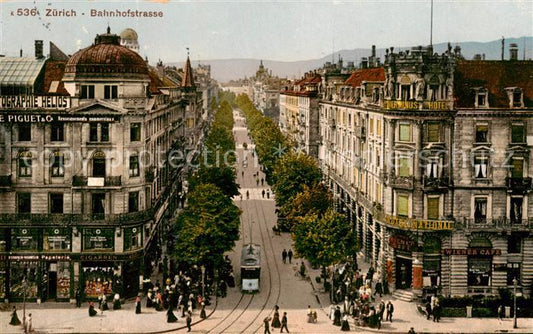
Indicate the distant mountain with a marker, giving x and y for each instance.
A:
(224, 70)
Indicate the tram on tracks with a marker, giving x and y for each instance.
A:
(250, 268)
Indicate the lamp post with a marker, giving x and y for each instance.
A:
(203, 280)
(514, 295)
(24, 286)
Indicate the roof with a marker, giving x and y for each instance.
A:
(53, 74)
(155, 82)
(129, 34)
(494, 76)
(20, 71)
(251, 255)
(299, 87)
(366, 74)
(188, 81)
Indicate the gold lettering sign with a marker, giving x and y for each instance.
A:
(416, 105)
(416, 224)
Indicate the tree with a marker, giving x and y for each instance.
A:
(324, 241)
(292, 172)
(223, 177)
(311, 200)
(207, 227)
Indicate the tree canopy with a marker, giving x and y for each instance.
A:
(311, 200)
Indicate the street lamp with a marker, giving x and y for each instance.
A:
(203, 280)
(515, 281)
(24, 286)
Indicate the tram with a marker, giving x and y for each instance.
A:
(250, 267)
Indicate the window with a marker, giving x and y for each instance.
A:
(99, 164)
(433, 132)
(134, 166)
(110, 92)
(405, 92)
(57, 132)
(433, 208)
(93, 132)
(517, 133)
(404, 166)
(516, 210)
(58, 165)
(98, 239)
(517, 98)
(24, 202)
(25, 159)
(24, 132)
(432, 168)
(482, 131)
(87, 92)
(371, 126)
(104, 132)
(514, 244)
(402, 203)
(98, 203)
(135, 131)
(480, 210)
(481, 98)
(132, 238)
(405, 132)
(479, 271)
(56, 239)
(56, 203)
(378, 128)
(133, 201)
(517, 169)
(513, 272)
(480, 167)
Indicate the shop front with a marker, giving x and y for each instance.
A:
(431, 272)
(402, 245)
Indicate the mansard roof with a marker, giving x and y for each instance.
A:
(365, 74)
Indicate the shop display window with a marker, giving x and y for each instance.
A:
(96, 239)
(3, 277)
(98, 279)
(479, 271)
(63, 280)
(24, 239)
(56, 239)
(133, 238)
(20, 271)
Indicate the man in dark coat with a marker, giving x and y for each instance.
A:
(284, 256)
(284, 322)
(189, 321)
(289, 254)
(266, 321)
(428, 310)
(390, 310)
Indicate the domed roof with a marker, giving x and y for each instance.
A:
(106, 58)
(129, 34)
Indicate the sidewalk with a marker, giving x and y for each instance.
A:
(406, 315)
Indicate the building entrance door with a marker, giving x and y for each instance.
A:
(404, 274)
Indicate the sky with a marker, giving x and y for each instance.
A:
(274, 30)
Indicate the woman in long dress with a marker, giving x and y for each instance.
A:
(15, 321)
(149, 302)
(345, 325)
(116, 302)
(275, 320)
(170, 315)
(92, 311)
(202, 311)
(138, 304)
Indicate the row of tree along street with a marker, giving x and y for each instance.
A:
(305, 204)
(209, 224)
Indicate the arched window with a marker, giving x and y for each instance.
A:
(99, 164)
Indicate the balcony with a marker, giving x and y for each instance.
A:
(5, 181)
(402, 182)
(435, 183)
(496, 224)
(69, 219)
(89, 181)
(518, 185)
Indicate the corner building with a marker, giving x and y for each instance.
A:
(428, 155)
(86, 186)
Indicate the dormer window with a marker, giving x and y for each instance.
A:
(482, 98)
(516, 97)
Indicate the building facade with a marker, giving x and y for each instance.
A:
(428, 155)
(87, 181)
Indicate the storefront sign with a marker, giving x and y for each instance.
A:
(401, 242)
(34, 102)
(472, 251)
(108, 257)
(55, 257)
(415, 224)
(416, 105)
(49, 118)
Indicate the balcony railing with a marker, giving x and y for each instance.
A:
(67, 219)
(435, 182)
(492, 224)
(89, 181)
(403, 182)
(517, 185)
(5, 181)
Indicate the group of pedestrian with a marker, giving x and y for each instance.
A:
(265, 192)
(275, 321)
(286, 255)
(433, 308)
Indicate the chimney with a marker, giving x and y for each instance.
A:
(373, 50)
(20, 53)
(364, 62)
(503, 46)
(39, 49)
(513, 51)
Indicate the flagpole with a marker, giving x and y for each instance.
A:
(431, 28)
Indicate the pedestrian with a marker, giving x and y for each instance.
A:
(116, 302)
(289, 254)
(15, 321)
(92, 311)
(501, 312)
(29, 325)
(379, 289)
(189, 321)
(240, 197)
(138, 304)
(268, 193)
(390, 310)
(263, 193)
(310, 317)
(302, 269)
(78, 297)
(411, 331)
(262, 181)
(266, 321)
(337, 316)
(257, 182)
(284, 256)
(242, 174)
(345, 327)
(436, 313)
(202, 311)
(247, 194)
(428, 310)
(284, 322)
(170, 315)
(275, 320)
